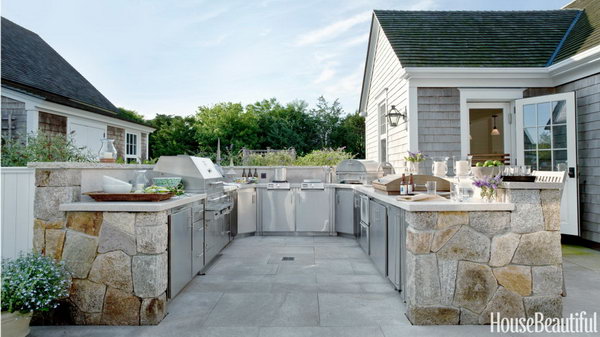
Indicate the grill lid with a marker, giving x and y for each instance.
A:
(357, 166)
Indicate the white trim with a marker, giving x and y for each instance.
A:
(576, 67)
(478, 95)
(508, 126)
(32, 102)
(138, 145)
(369, 64)
(412, 123)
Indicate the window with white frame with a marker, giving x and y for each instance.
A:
(383, 157)
(132, 147)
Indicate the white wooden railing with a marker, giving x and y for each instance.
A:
(18, 190)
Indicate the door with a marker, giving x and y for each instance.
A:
(547, 140)
(87, 135)
(180, 251)
(344, 211)
(277, 211)
(377, 236)
(312, 210)
(246, 211)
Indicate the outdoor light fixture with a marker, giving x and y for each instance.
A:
(495, 131)
(394, 116)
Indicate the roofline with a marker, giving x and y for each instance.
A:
(364, 93)
(564, 38)
(63, 100)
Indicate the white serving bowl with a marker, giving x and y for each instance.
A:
(120, 188)
(107, 180)
(491, 171)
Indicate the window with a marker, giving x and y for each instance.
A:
(382, 132)
(132, 147)
(382, 119)
(545, 135)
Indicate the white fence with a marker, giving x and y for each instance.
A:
(18, 189)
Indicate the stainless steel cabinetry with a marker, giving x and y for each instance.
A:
(378, 235)
(395, 244)
(246, 211)
(180, 250)
(277, 210)
(312, 210)
(197, 238)
(344, 211)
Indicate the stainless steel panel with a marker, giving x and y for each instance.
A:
(344, 211)
(364, 209)
(180, 250)
(197, 246)
(363, 239)
(312, 210)
(394, 232)
(377, 236)
(246, 210)
(277, 211)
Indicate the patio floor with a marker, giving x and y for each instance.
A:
(330, 289)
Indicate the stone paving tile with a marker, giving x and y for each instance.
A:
(321, 332)
(333, 289)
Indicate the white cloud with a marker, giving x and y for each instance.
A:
(332, 30)
(325, 75)
(347, 85)
(424, 5)
(359, 40)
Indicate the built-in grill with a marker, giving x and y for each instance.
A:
(200, 175)
(354, 171)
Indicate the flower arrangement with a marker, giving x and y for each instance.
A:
(488, 185)
(415, 157)
(33, 282)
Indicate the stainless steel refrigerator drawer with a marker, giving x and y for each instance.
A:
(363, 239)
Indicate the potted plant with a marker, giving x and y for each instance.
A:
(412, 161)
(31, 282)
(489, 186)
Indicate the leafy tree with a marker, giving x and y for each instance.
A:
(351, 134)
(174, 135)
(327, 118)
(131, 115)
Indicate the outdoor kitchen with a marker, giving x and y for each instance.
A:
(452, 257)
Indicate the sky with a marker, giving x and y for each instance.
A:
(169, 57)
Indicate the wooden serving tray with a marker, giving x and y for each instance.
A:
(524, 179)
(103, 196)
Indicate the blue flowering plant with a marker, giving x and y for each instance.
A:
(33, 282)
(415, 157)
(488, 185)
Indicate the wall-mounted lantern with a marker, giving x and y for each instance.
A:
(394, 116)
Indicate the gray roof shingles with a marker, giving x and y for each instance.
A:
(475, 38)
(29, 62)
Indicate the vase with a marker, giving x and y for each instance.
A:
(15, 324)
(412, 167)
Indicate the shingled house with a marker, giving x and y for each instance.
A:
(42, 91)
(534, 76)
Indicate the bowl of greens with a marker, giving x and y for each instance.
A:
(489, 168)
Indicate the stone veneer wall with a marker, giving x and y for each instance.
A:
(118, 261)
(462, 266)
(118, 134)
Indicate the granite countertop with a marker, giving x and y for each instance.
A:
(126, 206)
(435, 206)
(87, 165)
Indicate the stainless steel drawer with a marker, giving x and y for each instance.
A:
(198, 213)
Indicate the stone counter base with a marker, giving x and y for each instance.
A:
(463, 266)
(118, 262)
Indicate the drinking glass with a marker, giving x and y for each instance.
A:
(525, 170)
(455, 192)
(431, 187)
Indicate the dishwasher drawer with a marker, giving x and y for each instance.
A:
(180, 250)
(363, 239)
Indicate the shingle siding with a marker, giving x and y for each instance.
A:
(587, 93)
(15, 110)
(386, 74)
(439, 121)
(118, 134)
(52, 124)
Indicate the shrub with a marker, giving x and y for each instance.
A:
(326, 157)
(43, 147)
(270, 159)
(33, 282)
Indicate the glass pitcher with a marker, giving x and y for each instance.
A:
(462, 166)
(108, 152)
(439, 168)
(140, 181)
